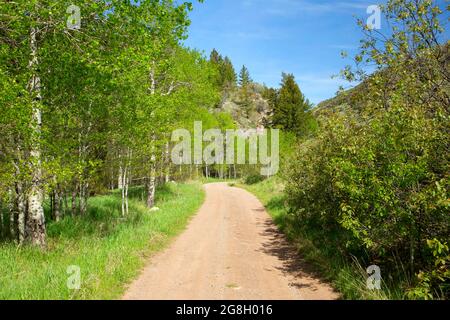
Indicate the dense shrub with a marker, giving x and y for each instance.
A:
(376, 181)
(381, 184)
(254, 178)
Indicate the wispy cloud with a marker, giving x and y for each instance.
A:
(294, 7)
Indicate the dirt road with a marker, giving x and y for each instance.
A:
(230, 250)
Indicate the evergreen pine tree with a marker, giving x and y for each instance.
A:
(227, 77)
(271, 96)
(244, 77)
(228, 73)
(290, 112)
(215, 57)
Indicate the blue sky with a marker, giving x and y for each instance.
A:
(303, 37)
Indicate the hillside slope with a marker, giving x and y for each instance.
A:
(253, 113)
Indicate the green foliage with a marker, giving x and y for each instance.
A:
(436, 281)
(109, 249)
(108, 95)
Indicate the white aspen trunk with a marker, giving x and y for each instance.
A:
(126, 199)
(152, 183)
(56, 204)
(36, 232)
(21, 213)
(111, 179)
(84, 186)
(80, 196)
(124, 172)
(12, 214)
(120, 179)
(152, 180)
(125, 178)
(127, 182)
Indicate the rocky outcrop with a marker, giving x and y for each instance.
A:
(250, 112)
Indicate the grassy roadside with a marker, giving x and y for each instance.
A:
(348, 278)
(108, 249)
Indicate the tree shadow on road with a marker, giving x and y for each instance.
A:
(304, 274)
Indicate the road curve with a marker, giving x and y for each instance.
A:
(231, 250)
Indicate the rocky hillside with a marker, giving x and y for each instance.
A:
(252, 112)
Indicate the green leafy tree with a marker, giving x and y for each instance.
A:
(82, 104)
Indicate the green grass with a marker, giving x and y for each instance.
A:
(347, 277)
(109, 249)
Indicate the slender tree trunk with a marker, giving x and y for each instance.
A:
(12, 214)
(151, 188)
(120, 179)
(56, 204)
(80, 196)
(129, 177)
(66, 204)
(111, 176)
(22, 213)
(151, 184)
(74, 200)
(127, 182)
(36, 220)
(123, 176)
(52, 213)
(84, 195)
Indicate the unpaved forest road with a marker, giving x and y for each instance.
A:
(230, 250)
